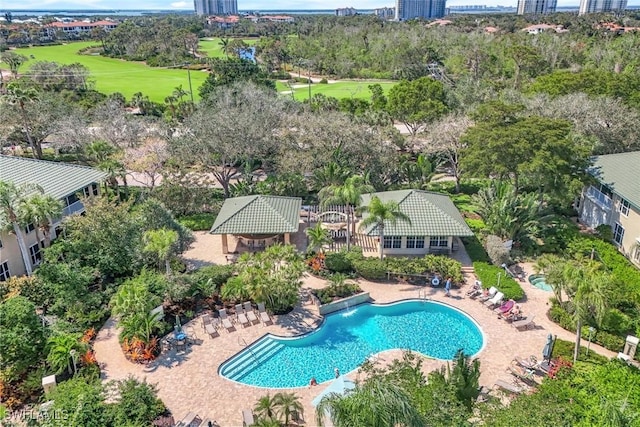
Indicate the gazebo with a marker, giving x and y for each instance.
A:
(257, 220)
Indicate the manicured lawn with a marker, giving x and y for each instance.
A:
(343, 89)
(213, 49)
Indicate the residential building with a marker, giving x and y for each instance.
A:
(216, 7)
(77, 27)
(385, 12)
(536, 7)
(433, 227)
(593, 6)
(65, 182)
(615, 200)
(426, 9)
(346, 11)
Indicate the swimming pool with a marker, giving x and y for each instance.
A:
(538, 280)
(347, 338)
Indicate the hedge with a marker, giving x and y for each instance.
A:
(370, 268)
(429, 264)
(338, 262)
(488, 275)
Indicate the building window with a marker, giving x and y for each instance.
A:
(71, 199)
(29, 228)
(415, 242)
(623, 208)
(4, 271)
(36, 255)
(438, 242)
(91, 190)
(636, 254)
(394, 242)
(0, 244)
(618, 233)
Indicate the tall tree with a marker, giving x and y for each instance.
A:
(12, 197)
(14, 61)
(417, 103)
(161, 243)
(20, 97)
(380, 213)
(41, 210)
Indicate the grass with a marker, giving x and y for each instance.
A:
(342, 89)
(213, 49)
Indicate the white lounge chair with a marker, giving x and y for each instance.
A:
(247, 418)
(224, 318)
(248, 310)
(497, 299)
(524, 324)
(491, 294)
(264, 316)
(241, 317)
(512, 388)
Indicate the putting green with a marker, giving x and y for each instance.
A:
(342, 89)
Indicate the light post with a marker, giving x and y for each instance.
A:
(592, 331)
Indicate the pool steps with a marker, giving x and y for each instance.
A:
(252, 355)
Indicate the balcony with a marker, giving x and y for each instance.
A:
(599, 198)
(74, 207)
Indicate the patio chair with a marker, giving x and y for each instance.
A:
(506, 307)
(248, 310)
(224, 318)
(475, 290)
(530, 363)
(497, 299)
(523, 374)
(241, 317)
(264, 316)
(190, 420)
(491, 294)
(510, 387)
(525, 323)
(247, 418)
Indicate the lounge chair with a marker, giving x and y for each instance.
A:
(476, 289)
(248, 310)
(241, 317)
(524, 324)
(491, 294)
(224, 318)
(510, 387)
(247, 418)
(497, 299)
(264, 316)
(513, 315)
(210, 328)
(506, 307)
(190, 420)
(529, 363)
(525, 375)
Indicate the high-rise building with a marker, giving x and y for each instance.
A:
(410, 9)
(591, 6)
(216, 7)
(385, 12)
(346, 11)
(536, 7)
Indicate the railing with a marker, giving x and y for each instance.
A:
(599, 197)
(243, 343)
(74, 207)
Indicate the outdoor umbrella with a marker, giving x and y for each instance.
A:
(340, 385)
(548, 348)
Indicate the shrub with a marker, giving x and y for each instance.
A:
(338, 262)
(615, 322)
(337, 291)
(496, 251)
(488, 274)
(218, 274)
(323, 82)
(198, 221)
(370, 268)
(476, 225)
(604, 232)
(428, 265)
(302, 80)
(280, 75)
(564, 349)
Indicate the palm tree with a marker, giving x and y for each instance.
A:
(464, 376)
(379, 213)
(318, 237)
(266, 422)
(140, 325)
(12, 196)
(288, 403)
(331, 174)
(61, 351)
(20, 97)
(349, 193)
(161, 243)
(225, 45)
(375, 403)
(179, 93)
(555, 271)
(266, 407)
(14, 61)
(39, 209)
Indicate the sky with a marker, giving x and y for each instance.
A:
(242, 4)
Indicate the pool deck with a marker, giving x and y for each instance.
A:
(187, 381)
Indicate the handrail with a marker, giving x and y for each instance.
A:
(243, 343)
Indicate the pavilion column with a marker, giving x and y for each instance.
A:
(287, 238)
(225, 244)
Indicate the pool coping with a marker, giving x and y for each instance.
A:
(320, 324)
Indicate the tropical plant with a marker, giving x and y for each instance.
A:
(266, 407)
(288, 404)
(20, 97)
(161, 243)
(40, 210)
(464, 376)
(318, 237)
(64, 351)
(379, 214)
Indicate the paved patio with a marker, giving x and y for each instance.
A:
(188, 381)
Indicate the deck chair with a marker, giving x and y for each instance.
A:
(210, 326)
(264, 316)
(530, 363)
(241, 317)
(224, 318)
(510, 387)
(497, 298)
(492, 293)
(525, 375)
(524, 324)
(247, 418)
(505, 308)
(190, 420)
(248, 310)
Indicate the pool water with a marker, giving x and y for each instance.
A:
(538, 280)
(347, 338)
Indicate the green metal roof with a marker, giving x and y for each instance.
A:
(57, 179)
(431, 214)
(258, 215)
(620, 173)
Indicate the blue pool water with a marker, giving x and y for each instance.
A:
(347, 338)
(538, 280)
